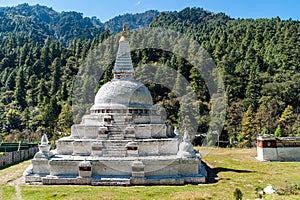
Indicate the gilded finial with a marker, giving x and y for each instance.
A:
(124, 32)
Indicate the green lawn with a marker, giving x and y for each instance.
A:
(231, 169)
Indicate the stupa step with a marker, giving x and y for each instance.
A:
(114, 153)
(107, 143)
(116, 136)
(115, 148)
(116, 133)
(111, 181)
(115, 129)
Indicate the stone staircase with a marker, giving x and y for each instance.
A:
(116, 136)
(116, 132)
(114, 148)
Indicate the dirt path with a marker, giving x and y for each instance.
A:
(17, 182)
(13, 175)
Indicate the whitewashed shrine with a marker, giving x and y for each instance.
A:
(123, 141)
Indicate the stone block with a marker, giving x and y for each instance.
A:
(85, 169)
(40, 166)
(82, 147)
(64, 146)
(97, 148)
(138, 181)
(138, 168)
(143, 131)
(63, 167)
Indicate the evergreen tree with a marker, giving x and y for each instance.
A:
(286, 121)
(20, 91)
(42, 92)
(11, 82)
(65, 119)
(32, 91)
(55, 77)
(13, 120)
(248, 133)
(278, 132)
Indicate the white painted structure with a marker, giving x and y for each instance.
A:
(270, 148)
(121, 142)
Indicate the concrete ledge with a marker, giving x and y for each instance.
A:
(110, 181)
(33, 179)
(66, 181)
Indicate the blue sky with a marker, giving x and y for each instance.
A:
(105, 10)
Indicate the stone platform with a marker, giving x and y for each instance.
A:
(149, 170)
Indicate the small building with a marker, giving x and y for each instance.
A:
(270, 148)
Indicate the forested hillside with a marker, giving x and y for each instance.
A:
(42, 50)
(260, 63)
(39, 22)
(133, 21)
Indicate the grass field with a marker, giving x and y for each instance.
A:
(230, 169)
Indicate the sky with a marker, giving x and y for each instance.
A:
(105, 10)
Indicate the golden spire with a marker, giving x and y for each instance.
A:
(124, 32)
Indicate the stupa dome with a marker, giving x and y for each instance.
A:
(123, 91)
(120, 93)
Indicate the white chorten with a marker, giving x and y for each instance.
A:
(123, 141)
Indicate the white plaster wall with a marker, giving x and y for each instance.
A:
(77, 131)
(91, 132)
(64, 168)
(64, 147)
(109, 168)
(281, 154)
(92, 120)
(143, 131)
(148, 148)
(161, 169)
(189, 166)
(82, 147)
(266, 154)
(155, 119)
(141, 119)
(168, 147)
(289, 153)
(40, 166)
(159, 130)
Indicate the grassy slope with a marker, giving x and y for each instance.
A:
(235, 168)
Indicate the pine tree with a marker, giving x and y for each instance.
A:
(55, 77)
(13, 120)
(287, 120)
(11, 82)
(20, 91)
(65, 119)
(42, 91)
(248, 133)
(278, 132)
(32, 91)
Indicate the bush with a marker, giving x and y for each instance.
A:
(238, 195)
(278, 132)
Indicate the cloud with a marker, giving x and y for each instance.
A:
(138, 3)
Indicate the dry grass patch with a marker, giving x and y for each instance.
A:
(230, 169)
(13, 172)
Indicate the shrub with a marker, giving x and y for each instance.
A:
(238, 195)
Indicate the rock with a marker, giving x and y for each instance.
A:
(269, 190)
